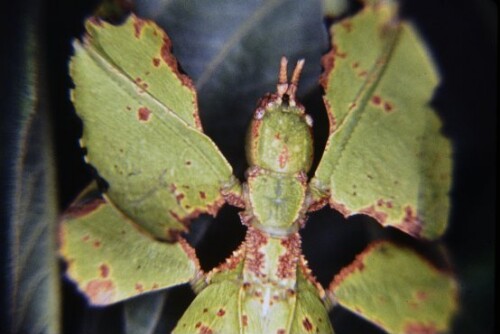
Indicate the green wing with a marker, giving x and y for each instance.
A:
(111, 260)
(311, 315)
(385, 156)
(398, 290)
(141, 127)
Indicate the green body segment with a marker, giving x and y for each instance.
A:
(276, 200)
(280, 152)
(264, 287)
(280, 140)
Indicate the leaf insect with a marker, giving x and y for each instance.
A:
(143, 135)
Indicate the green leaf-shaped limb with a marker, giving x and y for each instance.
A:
(111, 260)
(141, 127)
(385, 156)
(398, 290)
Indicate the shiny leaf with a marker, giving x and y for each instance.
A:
(385, 156)
(29, 283)
(398, 290)
(111, 260)
(141, 127)
(231, 50)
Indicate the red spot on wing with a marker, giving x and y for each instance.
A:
(221, 313)
(419, 328)
(347, 25)
(143, 114)
(156, 62)
(376, 99)
(328, 63)
(96, 244)
(100, 291)
(411, 223)
(104, 269)
(307, 324)
(138, 25)
(205, 330)
(281, 331)
(203, 195)
(388, 106)
(371, 211)
(244, 320)
(139, 287)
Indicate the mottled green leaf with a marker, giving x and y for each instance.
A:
(231, 50)
(29, 282)
(111, 260)
(398, 290)
(385, 156)
(141, 127)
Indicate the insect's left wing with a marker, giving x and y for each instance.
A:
(385, 156)
(141, 128)
(111, 259)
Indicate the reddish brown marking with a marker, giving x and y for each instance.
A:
(198, 324)
(232, 262)
(281, 331)
(138, 25)
(244, 320)
(95, 20)
(283, 157)
(411, 223)
(388, 107)
(277, 136)
(287, 263)
(100, 291)
(81, 209)
(371, 211)
(191, 253)
(203, 195)
(176, 216)
(156, 62)
(255, 258)
(155, 286)
(143, 114)
(179, 197)
(97, 244)
(347, 25)
(422, 296)
(104, 269)
(328, 64)
(340, 207)
(376, 100)
(205, 330)
(356, 265)
(221, 313)
(363, 73)
(139, 287)
(355, 64)
(307, 324)
(86, 238)
(418, 328)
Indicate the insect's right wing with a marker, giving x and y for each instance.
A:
(141, 128)
(385, 156)
(397, 290)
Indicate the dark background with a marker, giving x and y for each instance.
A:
(461, 35)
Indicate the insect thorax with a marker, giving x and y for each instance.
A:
(280, 152)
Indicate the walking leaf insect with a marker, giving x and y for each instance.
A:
(385, 158)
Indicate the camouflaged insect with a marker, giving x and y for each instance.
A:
(385, 157)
